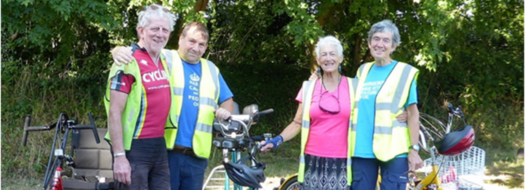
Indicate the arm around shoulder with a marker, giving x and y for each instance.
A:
(122, 55)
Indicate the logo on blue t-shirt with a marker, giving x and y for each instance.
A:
(371, 88)
(194, 88)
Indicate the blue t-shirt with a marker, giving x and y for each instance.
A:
(365, 118)
(190, 102)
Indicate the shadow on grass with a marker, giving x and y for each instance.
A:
(503, 168)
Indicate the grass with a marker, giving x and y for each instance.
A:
(20, 184)
(502, 169)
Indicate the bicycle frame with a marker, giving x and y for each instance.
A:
(54, 167)
(433, 180)
(433, 177)
(57, 179)
(229, 149)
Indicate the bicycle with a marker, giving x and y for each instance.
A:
(236, 139)
(444, 143)
(436, 132)
(53, 175)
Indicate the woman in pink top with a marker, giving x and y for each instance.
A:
(324, 138)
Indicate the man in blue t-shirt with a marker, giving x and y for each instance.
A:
(187, 169)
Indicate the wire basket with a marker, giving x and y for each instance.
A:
(468, 168)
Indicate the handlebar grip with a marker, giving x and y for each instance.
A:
(82, 127)
(26, 125)
(258, 138)
(268, 111)
(94, 127)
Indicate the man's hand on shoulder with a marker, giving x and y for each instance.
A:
(122, 55)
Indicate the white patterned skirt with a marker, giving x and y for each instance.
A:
(325, 173)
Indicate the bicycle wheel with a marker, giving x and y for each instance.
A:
(290, 184)
(431, 129)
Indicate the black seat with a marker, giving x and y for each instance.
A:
(93, 162)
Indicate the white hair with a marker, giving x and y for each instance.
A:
(328, 40)
(159, 10)
(385, 26)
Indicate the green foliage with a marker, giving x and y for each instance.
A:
(55, 57)
(254, 83)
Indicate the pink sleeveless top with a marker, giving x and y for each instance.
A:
(328, 132)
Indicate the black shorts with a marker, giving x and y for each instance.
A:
(148, 159)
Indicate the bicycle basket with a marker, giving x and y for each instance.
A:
(469, 167)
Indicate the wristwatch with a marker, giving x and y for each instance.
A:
(415, 147)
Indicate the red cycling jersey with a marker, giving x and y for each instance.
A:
(156, 99)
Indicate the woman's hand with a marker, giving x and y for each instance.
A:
(313, 77)
(121, 55)
(414, 161)
(265, 147)
(272, 143)
(403, 117)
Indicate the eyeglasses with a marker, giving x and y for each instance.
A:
(327, 104)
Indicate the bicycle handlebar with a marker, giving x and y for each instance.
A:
(246, 121)
(28, 128)
(264, 112)
(455, 111)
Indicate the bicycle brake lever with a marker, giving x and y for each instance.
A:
(460, 112)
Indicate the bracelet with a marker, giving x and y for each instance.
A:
(297, 122)
(276, 141)
(119, 154)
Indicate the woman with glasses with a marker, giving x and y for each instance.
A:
(386, 88)
(323, 118)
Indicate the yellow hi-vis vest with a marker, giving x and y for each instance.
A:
(391, 138)
(308, 91)
(132, 111)
(208, 100)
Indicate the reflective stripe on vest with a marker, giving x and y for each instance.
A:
(132, 117)
(208, 99)
(308, 90)
(391, 137)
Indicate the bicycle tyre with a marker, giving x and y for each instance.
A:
(432, 129)
(290, 184)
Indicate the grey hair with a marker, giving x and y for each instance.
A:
(385, 26)
(161, 11)
(329, 40)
